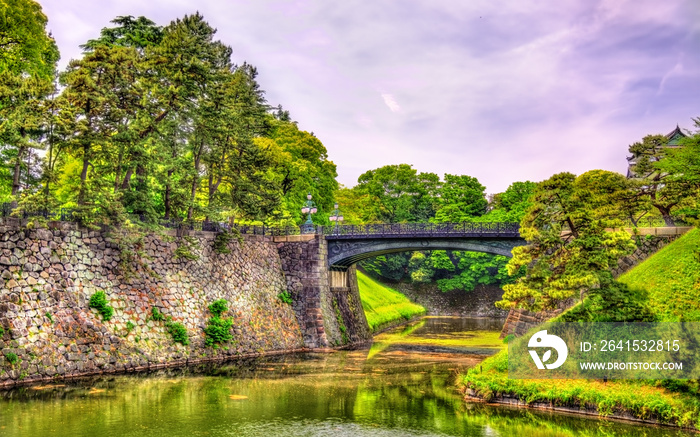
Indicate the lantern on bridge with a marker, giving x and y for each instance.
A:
(336, 217)
(308, 209)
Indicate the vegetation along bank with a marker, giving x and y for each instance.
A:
(665, 283)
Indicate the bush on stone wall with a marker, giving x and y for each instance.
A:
(12, 358)
(99, 302)
(156, 315)
(222, 239)
(285, 297)
(177, 331)
(218, 329)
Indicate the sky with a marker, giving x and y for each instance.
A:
(503, 91)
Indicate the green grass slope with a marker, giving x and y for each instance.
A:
(383, 305)
(672, 278)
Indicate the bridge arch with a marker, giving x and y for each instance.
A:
(342, 253)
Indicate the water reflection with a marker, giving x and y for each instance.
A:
(406, 388)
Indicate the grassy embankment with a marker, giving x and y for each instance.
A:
(672, 278)
(383, 305)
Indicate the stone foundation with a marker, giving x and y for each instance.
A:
(329, 316)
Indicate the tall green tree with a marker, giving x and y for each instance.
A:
(28, 57)
(461, 198)
(99, 101)
(663, 191)
(569, 251)
(399, 194)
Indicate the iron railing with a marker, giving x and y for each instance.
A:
(389, 230)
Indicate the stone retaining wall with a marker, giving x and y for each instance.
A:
(479, 302)
(48, 275)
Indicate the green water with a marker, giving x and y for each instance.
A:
(404, 388)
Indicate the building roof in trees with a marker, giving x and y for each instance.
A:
(673, 141)
(674, 136)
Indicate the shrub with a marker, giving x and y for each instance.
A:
(186, 247)
(2, 331)
(156, 315)
(178, 332)
(12, 358)
(612, 302)
(221, 241)
(129, 327)
(508, 338)
(218, 329)
(99, 302)
(218, 307)
(285, 297)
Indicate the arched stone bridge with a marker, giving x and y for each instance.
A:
(320, 272)
(349, 244)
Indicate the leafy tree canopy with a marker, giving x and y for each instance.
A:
(663, 190)
(569, 251)
(25, 46)
(682, 165)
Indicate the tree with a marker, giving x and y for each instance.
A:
(682, 165)
(151, 120)
(399, 194)
(138, 33)
(613, 198)
(24, 117)
(461, 198)
(569, 252)
(510, 206)
(25, 46)
(139, 109)
(663, 190)
(301, 166)
(28, 57)
(352, 204)
(98, 99)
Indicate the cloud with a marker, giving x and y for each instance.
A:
(390, 102)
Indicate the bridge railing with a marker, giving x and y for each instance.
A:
(421, 229)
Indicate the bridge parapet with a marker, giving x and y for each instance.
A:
(413, 230)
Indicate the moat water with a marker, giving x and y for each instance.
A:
(403, 385)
